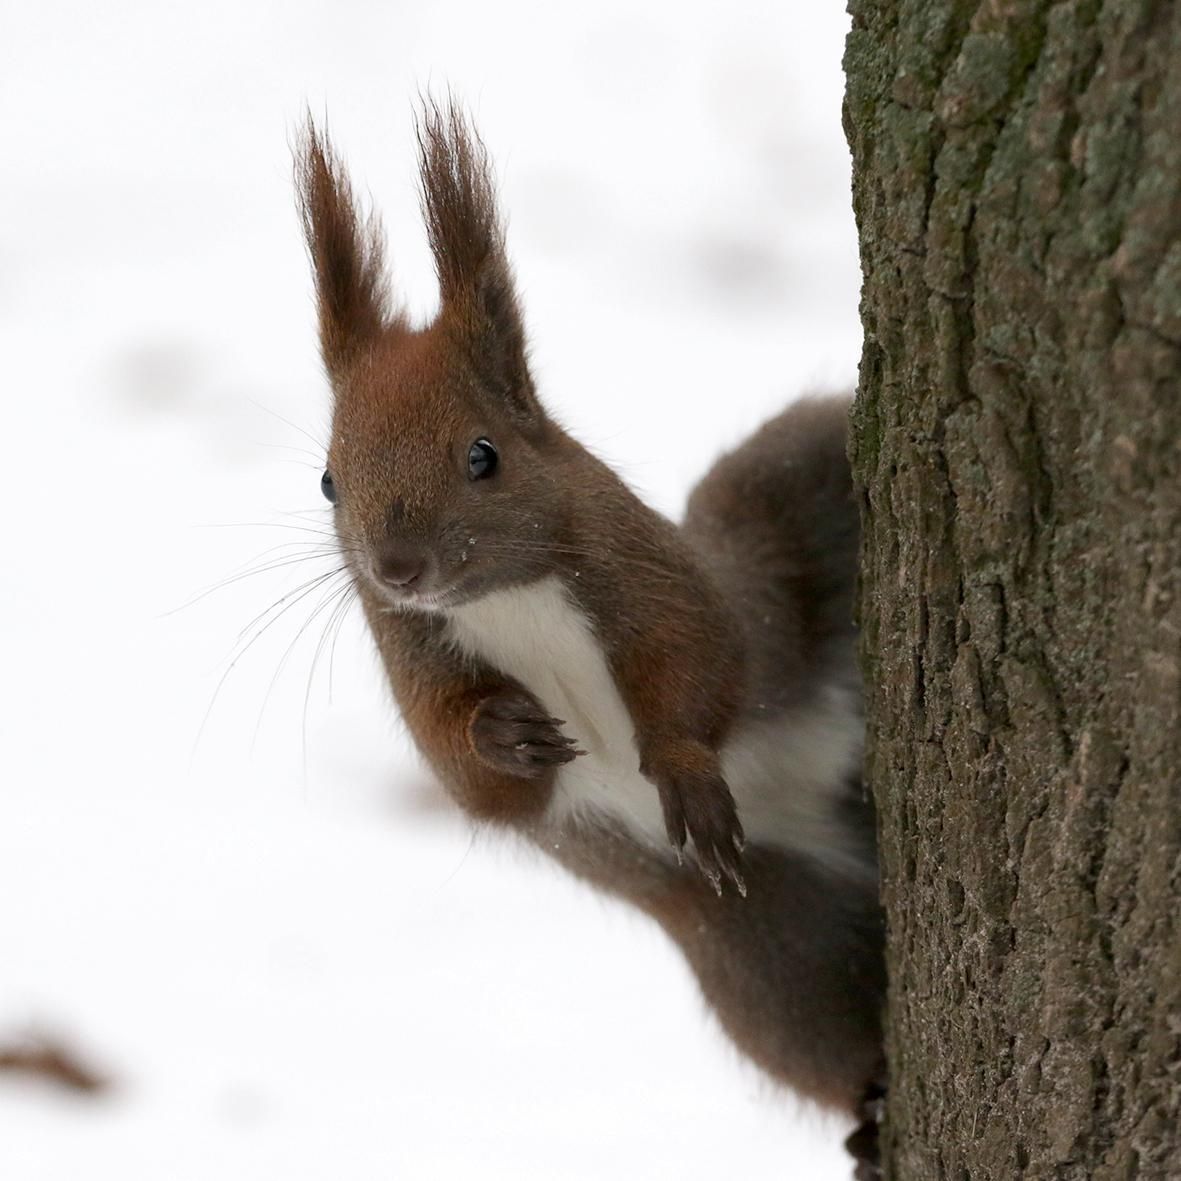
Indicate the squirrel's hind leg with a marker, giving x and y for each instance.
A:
(863, 1143)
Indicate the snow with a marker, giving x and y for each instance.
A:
(259, 917)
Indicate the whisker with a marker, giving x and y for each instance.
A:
(287, 656)
(325, 532)
(317, 457)
(253, 572)
(319, 443)
(240, 650)
(350, 598)
(301, 591)
(543, 550)
(340, 597)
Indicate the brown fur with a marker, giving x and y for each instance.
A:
(735, 616)
(348, 254)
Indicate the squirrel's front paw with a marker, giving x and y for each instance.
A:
(698, 805)
(512, 732)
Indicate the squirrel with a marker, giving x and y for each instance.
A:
(672, 713)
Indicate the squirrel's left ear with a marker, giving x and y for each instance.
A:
(347, 253)
(467, 241)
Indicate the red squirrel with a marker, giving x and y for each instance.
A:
(574, 666)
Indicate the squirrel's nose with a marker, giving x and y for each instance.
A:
(400, 565)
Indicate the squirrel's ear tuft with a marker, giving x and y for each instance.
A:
(467, 241)
(347, 252)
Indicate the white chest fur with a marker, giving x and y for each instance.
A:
(786, 772)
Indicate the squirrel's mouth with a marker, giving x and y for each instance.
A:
(414, 598)
(430, 589)
(406, 576)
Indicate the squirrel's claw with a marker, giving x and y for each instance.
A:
(512, 732)
(720, 865)
(698, 807)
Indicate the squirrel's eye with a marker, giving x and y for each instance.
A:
(328, 488)
(481, 460)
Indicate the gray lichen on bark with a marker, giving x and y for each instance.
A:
(1017, 445)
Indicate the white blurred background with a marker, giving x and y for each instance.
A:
(257, 917)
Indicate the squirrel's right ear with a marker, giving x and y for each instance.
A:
(346, 249)
(467, 241)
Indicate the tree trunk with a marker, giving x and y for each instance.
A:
(1017, 445)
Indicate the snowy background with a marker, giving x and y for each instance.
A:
(257, 917)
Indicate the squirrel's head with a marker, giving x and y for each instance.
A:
(443, 465)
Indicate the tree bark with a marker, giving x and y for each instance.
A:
(1017, 446)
